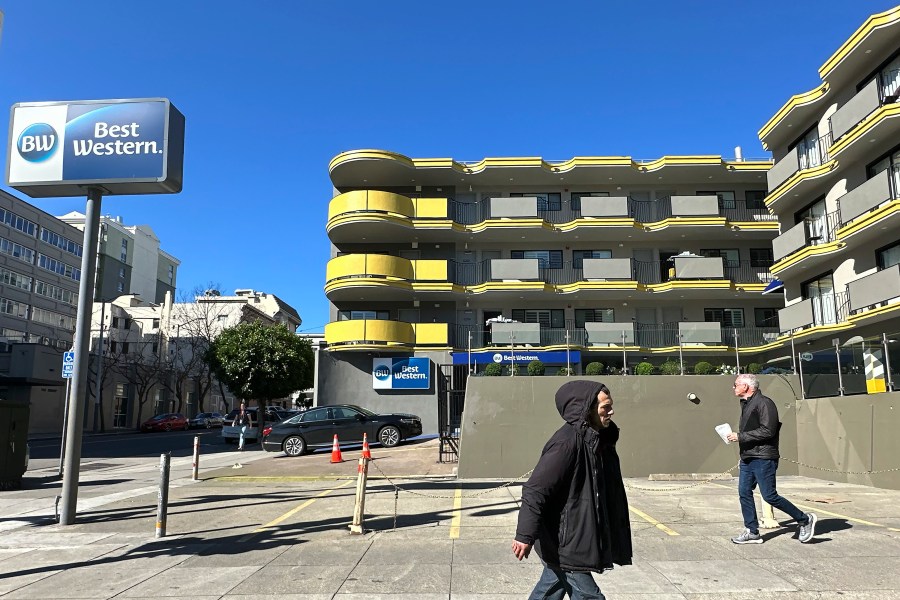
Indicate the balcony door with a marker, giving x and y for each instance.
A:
(808, 150)
(815, 219)
(821, 292)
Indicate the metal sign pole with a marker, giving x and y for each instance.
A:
(568, 361)
(837, 355)
(81, 346)
(62, 442)
(624, 355)
(887, 362)
(99, 386)
(512, 354)
(737, 346)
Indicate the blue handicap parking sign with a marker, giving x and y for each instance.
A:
(68, 366)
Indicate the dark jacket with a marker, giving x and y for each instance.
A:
(574, 508)
(758, 429)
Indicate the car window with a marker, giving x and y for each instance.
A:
(343, 413)
(319, 414)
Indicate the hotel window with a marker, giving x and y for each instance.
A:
(547, 259)
(727, 317)
(545, 201)
(888, 257)
(124, 254)
(731, 256)
(578, 256)
(577, 196)
(593, 315)
(553, 318)
(48, 317)
(761, 257)
(121, 272)
(755, 198)
(726, 199)
(889, 162)
(816, 222)
(765, 317)
(808, 149)
(369, 315)
(155, 324)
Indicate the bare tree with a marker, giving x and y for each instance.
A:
(144, 369)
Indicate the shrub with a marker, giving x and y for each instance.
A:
(535, 368)
(565, 372)
(724, 369)
(643, 368)
(754, 368)
(594, 368)
(702, 368)
(514, 369)
(493, 370)
(670, 367)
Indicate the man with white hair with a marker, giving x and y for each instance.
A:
(757, 436)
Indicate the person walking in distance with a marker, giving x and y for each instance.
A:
(757, 437)
(241, 421)
(574, 510)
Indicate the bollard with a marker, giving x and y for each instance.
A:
(196, 474)
(768, 516)
(362, 470)
(163, 497)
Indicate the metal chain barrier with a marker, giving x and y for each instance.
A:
(398, 488)
(802, 464)
(682, 487)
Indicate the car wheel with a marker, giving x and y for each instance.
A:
(389, 436)
(167, 427)
(294, 446)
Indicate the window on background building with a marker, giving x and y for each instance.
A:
(554, 318)
(726, 199)
(155, 324)
(13, 279)
(765, 317)
(115, 323)
(369, 315)
(55, 292)
(120, 287)
(755, 199)
(58, 267)
(577, 196)
(731, 256)
(578, 256)
(124, 254)
(888, 257)
(13, 308)
(727, 317)
(48, 317)
(127, 323)
(171, 274)
(547, 259)
(14, 221)
(124, 347)
(593, 315)
(120, 412)
(113, 346)
(54, 239)
(17, 250)
(121, 272)
(545, 200)
(761, 257)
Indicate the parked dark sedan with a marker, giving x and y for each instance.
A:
(316, 428)
(165, 422)
(207, 420)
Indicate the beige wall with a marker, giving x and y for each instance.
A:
(507, 420)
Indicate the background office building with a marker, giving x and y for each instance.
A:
(507, 260)
(130, 260)
(40, 270)
(835, 188)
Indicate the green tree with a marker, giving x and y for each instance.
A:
(493, 370)
(594, 368)
(702, 368)
(754, 368)
(536, 368)
(670, 367)
(262, 363)
(643, 368)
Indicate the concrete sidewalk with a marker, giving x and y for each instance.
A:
(433, 539)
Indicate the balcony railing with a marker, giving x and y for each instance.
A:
(870, 194)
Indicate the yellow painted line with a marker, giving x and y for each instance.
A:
(292, 512)
(457, 514)
(825, 512)
(652, 521)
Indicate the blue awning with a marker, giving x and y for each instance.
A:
(774, 286)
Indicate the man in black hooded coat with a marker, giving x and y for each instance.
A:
(574, 510)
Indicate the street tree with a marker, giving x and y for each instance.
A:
(261, 362)
(144, 368)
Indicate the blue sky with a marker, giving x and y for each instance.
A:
(273, 90)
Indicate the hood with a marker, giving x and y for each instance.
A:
(574, 398)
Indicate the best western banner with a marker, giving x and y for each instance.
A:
(122, 146)
(520, 357)
(401, 373)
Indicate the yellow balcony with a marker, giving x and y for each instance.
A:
(381, 276)
(353, 215)
(366, 334)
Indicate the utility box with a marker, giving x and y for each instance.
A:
(13, 442)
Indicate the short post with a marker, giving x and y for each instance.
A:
(737, 347)
(362, 471)
(887, 362)
(837, 355)
(196, 464)
(680, 353)
(162, 505)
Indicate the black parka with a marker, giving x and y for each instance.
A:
(574, 509)
(758, 428)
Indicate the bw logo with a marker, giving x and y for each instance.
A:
(37, 142)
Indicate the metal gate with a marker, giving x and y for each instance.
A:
(451, 387)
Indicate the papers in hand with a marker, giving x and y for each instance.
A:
(723, 430)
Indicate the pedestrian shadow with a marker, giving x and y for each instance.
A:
(823, 526)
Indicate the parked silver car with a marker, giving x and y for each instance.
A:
(207, 420)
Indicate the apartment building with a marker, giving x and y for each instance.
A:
(508, 260)
(130, 260)
(835, 188)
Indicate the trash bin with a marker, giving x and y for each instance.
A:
(13, 442)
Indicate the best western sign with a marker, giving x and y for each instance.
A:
(121, 146)
(401, 373)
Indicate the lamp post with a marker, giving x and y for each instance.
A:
(512, 354)
(568, 362)
(681, 352)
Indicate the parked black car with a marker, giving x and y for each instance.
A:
(316, 428)
(207, 420)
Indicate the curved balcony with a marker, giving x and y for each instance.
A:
(801, 172)
(381, 276)
(797, 113)
(372, 334)
(351, 215)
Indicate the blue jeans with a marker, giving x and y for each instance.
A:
(554, 584)
(762, 471)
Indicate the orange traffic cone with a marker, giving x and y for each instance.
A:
(336, 451)
(366, 453)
